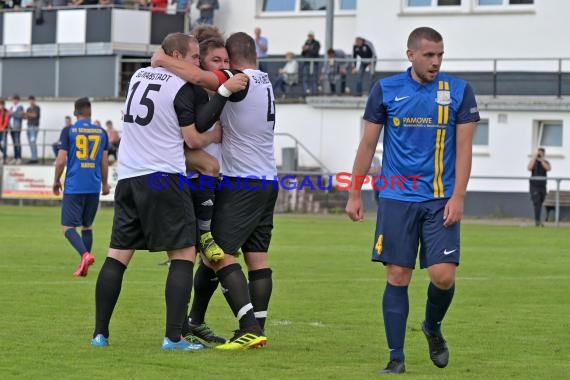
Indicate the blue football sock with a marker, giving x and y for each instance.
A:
(438, 301)
(87, 237)
(395, 307)
(75, 240)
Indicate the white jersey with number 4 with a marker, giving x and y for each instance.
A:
(247, 142)
(151, 139)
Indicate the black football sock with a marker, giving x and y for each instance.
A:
(107, 293)
(260, 287)
(438, 301)
(204, 198)
(177, 295)
(235, 289)
(205, 284)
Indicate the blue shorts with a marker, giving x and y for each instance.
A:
(79, 209)
(403, 227)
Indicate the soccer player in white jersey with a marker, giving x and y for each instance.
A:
(153, 207)
(243, 216)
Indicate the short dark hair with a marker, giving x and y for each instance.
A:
(177, 41)
(31, 97)
(542, 150)
(16, 97)
(423, 33)
(241, 48)
(82, 107)
(331, 51)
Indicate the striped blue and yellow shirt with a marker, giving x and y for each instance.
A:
(420, 122)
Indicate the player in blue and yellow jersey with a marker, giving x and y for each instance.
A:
(429, 119)
(83, 149)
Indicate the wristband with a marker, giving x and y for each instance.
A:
(223, 90)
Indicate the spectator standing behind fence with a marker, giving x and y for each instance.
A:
(184, 6)
(17, 115)
(538, 166)
(335, 70)
(261, 45)
(310, 50)
(207, 8)
(4, 122)
(288, 74)
(33, 117)
(114, 139)
(365, 50)
(56, 145)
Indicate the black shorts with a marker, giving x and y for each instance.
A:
(156, 220)
(243, 216)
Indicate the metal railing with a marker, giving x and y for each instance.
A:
(496, 68)
(322, 167)
(44, 145)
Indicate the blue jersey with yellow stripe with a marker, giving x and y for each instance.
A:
(420, 122)
(84, 143)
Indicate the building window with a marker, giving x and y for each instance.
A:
(549, 134)
(278, 5)
(481, 137)
(305, 5)
(504, 2)
(432, 3)
(314, 5)
(348, 5)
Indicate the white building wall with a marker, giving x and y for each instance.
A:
(285, 32)
(470, 32)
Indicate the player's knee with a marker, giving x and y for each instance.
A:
(399, 276)
(443, 281)
(256, 260)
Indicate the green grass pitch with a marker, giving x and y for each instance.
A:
(509, 319)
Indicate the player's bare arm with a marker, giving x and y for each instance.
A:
(198, 160)
(196, 140)
(188, 72)
(364, 156)
(105, 173)
(60, 162)
(464, 142)
(195, 75)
